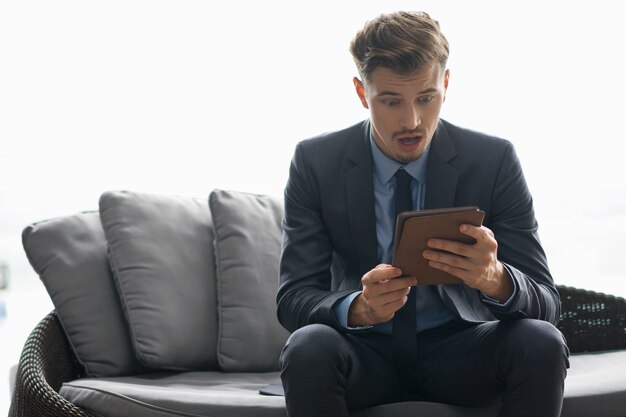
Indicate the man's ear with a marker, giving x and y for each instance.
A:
(360, 91)
(446, 78)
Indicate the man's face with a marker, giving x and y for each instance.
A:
(404, 109)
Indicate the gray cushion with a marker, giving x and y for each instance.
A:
(161, 254)
(69, 254)
(596, 385)
(190, 394)
(248, 242)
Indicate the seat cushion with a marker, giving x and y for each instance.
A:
(596, 385)
(177, 394)
(248, 241)
(69, 254)
(160, 249)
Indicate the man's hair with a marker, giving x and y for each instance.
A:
(404, 42)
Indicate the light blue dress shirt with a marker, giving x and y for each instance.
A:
(431, 311)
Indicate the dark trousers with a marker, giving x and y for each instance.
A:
(521, 364)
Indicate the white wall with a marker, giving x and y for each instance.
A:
(186, 96)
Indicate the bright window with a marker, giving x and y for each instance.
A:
(175, 97)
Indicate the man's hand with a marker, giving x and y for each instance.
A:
(476, 265)
(385, 291)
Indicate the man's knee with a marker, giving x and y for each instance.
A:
(547, 337)
(311, 345)
(539, 342)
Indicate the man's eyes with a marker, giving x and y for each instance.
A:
(419, 100)
(425, 99)
(392, 103)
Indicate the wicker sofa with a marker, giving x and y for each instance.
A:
(58, 374)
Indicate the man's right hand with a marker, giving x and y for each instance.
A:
(385, 291)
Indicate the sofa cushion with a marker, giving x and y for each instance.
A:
(69, 254)
(596, 385)
(248, 241)
(160, 249)
(213, 394)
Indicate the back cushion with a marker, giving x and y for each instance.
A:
(248, 241)
(160, 249)
(69, 254)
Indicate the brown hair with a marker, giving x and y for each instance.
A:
(404, 42)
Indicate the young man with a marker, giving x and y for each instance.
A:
(489, 340)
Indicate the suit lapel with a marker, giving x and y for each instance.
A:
(360, 198)
(441, 183)
(441, 177)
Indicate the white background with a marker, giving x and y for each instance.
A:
(185, 96)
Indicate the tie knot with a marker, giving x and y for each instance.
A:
(403, 178)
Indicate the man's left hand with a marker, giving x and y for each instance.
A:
(476, 265)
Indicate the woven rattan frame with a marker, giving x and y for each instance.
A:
(590, 321)
(46, 362)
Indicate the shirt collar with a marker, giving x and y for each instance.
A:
(385, 168)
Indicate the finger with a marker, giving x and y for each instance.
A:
(457, 248)
(383, 298)
(386, 311)
(448, 259)
(473, 231)
(404, 282)
(478, 233)
(383, 306)
(381, 273)
(465, 275)
(382, 293)
(466, 270)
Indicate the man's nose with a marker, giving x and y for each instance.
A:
(411, 119)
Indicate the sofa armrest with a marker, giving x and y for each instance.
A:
(592, 321)
(46, 362)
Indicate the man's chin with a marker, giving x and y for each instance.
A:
(405, 159)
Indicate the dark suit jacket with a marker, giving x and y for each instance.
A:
(330, 241)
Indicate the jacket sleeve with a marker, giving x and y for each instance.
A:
(304, 294)
(512, 219)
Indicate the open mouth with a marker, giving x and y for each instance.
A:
(410, 141)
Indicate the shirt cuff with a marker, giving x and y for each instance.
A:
(341, 309)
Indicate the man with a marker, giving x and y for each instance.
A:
(489, 340)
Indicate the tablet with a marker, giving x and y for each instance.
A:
(415, 228)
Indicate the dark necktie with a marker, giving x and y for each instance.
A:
(405, 320)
